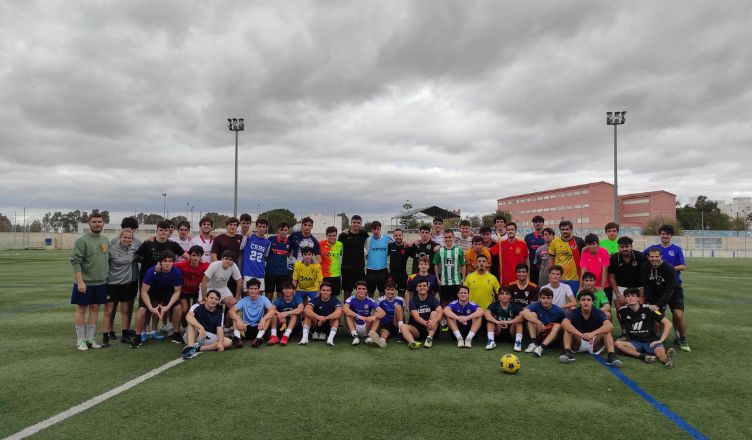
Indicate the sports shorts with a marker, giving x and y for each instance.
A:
(303, 294)
(350, 277)
(400, 279)
(93, 295)
(388, 326)
(645, 347)
(376, 279)
(209, 339)
(273, 283)
(587, 347)
(423, 331)
(122, 292)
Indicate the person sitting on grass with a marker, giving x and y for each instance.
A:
(160, 293)
(600, 300)
(544, 322)
(524, 292)
(638, 322)
(504, 315)
(287, 313)
(425, 317)
(563, 295)
(307, 276)
(390, 315)
(588, 330)
(322, 316)
(205, 327)
(255, 318)
(193, 273)
(359, 316)
(464, 318)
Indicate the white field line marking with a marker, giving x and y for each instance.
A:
(81, 407)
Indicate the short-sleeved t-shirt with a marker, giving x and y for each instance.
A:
(150, 252)
(297, 242)
(308, 276)
(523, 297)
(547, 316)
(331, 258)
(593, 322)
(353, 249)
(541, 261)
(600, 299)
(423, 250)
(610, 245)
(206, 245)
(219, 276)
(566, 255)
(627, 274)
(414, 279)
(283, 306)
(483, 288)
(672, 254)
(450, 263)
(424, 307)
(210, 321)
(639, 324)
(534, 240)
(253, 310)
(561, 293)
(255, 253)
(389, 307)
(466, 309)
(501, 314)
(512, 253)
(279, 251)
(163, 282)
(363, 307)
(192, 276)
(324, 308)
(595, 264)
(471, 256)
(398, 256)
(224, 242)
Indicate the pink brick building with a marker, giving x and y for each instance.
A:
(588, 206)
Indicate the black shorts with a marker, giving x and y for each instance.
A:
(350, 277)
(273, 283)
(192, 298)
(448, 293)
(336, 283)
(609, 293)
(376, 280)
(122, 292)
(157, 297)
(390, 327)
(423, 331)
(464, 329)
(250, 332)
(323, 328)
(400, 279)
(676, 302)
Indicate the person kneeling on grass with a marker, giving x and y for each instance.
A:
(256, 316)
(389, 315)
(322, 316)
(287, 313)
(425, 317)
(205, 327)
(464, 318)
(587, 329)
(638, 322)
(501, 315)
(359, 316)
(544, 322)
(160, 293)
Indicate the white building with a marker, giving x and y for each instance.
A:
(321, 222)
(741, 206)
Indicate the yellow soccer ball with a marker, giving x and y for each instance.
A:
(510, 363)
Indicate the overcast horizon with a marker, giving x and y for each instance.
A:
(358, 107)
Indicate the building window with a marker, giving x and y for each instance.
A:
(540, 198)
(553, 196)
(586, 205)
(637, 214)
(577, 193)
(569, 194)
(586, 191)
(636, 201)
(546, 197)
(577, 206)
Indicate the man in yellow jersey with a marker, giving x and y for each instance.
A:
(565, 251)
(483, 285)
(307, 276)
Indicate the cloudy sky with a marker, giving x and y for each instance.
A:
(358, 106)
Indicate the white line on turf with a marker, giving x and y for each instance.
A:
(81, 407)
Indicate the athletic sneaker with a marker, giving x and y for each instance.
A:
(257, 342)
(191, 352)
(567, 357)
(136, 341)
(112, 335)
(176, 338)
(273, 341)
(429, 342)
(284, 340)
(168, 329)
(460, 343)
(531, 348)
(491, 345)
(91, 343)
(81, 345)
(236, 342)
(650, 359)
(684, 345)
(368, 340)
(316, 336)
(303, 341)
(378, 340)
(145, 336)
(671, 352)
(156, 336)
(517, 345)
(356, 341)
(105, 339)
(538, 351)
(330, 342)
(468, 343)
(127, 336)
(415, 345)
(614, 361)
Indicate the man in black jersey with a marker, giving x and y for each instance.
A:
(661, 290)
(638, 323)
(425, 247)
(353, 255)
(399, 252)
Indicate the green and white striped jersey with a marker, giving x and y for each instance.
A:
(450, 263)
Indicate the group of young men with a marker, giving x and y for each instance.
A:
(545, 288)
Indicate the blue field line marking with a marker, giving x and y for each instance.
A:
(29, 309)
(678, 421)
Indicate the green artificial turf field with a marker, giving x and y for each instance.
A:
(365, 392)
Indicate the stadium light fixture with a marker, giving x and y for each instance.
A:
(236, 125)
(615, 119)
(164, 206)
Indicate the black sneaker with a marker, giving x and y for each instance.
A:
(136, 341)
(176, 338)
(614, 361)
(236, 342)
(105, 339)
(567, 356)
(113, 336)
(127, 337)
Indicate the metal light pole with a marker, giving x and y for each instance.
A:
(615, 118)
(236, 125)
(164, 206)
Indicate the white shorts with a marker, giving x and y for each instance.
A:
(361, 330)
(587, 347)
(210, 339)
(262, 287)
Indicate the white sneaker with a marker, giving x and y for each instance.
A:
(517, 346)
(468, 343)
(491, 345)
(316, 336)
(81, 345)
(368, 340)
(303, 341)
(356, 341)
(538, 351)
(330, 342)
(530, 348)
(92, 344)
(460, 343)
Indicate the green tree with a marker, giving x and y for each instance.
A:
(5, 225)
(475, 221)
(217, 218)
(651, 227)
(739, 224)
(488, 219)
(179, 218)
(35, 226)
(278, 215)
(345, 221)
(704, 213)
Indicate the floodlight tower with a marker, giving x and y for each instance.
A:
(615, 119)
(236, 125)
